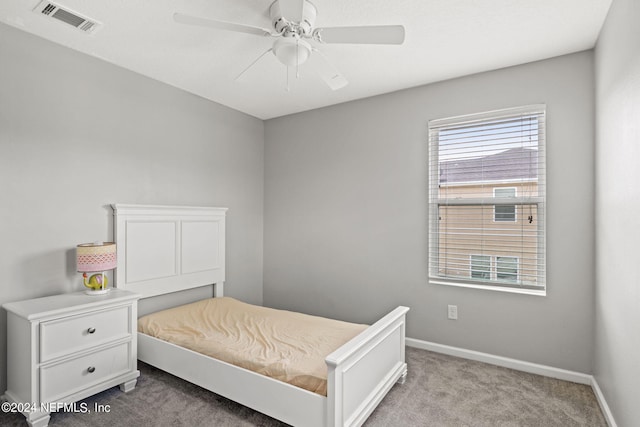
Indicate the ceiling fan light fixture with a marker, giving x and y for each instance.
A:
(291, 51)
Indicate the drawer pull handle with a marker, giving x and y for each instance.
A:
(91, 330)
(91, 369)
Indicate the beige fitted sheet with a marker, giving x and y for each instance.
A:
(283, 345)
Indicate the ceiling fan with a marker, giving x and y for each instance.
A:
(293, 27)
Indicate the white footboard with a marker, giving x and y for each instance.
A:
(361, 372)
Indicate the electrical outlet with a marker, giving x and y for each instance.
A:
(452, 312)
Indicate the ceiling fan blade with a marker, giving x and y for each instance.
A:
(375, 34)
(327, 72)
(220, 25)
(291, 9)
(253, 63)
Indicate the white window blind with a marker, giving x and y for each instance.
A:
(487, 199)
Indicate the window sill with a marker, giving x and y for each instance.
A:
(535, 292)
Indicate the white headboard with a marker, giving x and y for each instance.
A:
(163, 249)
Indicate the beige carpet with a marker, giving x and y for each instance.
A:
(440, 391)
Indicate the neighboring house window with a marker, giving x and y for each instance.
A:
(504, 268)
(481, 267)
(504, 212)
(487, 200)
(507, 268)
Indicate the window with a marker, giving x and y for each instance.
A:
(481, 267)
(504, 212)
(487, 200)
(507, 268)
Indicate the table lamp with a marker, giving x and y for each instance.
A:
(96, 257)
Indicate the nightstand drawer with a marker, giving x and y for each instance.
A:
(72, 334)
(63, 379)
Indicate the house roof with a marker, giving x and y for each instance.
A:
(517, 164)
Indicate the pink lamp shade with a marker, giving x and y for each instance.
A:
(93, 257)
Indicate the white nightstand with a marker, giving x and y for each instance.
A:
(64, 348)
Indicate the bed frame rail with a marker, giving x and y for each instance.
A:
(293, 405)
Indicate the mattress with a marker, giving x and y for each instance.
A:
(283, 345)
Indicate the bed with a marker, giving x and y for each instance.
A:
(165, 249)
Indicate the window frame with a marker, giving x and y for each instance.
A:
(539, 202)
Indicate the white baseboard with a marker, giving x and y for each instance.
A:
(604, 406)
(520, 365)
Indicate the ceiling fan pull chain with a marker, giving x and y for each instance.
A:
(297, 58)
(288, 88)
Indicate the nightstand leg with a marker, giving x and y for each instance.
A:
(128, 386)
(43, 421)
(403, 378)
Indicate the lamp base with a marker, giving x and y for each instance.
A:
(97, 291)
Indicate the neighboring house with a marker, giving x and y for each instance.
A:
(494, 237)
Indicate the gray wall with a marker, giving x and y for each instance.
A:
(617, 347)
(346, 214)
(77, 134)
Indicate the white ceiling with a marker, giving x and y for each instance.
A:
(444, 39)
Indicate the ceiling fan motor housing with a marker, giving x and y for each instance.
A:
(289, 26)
